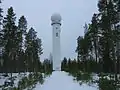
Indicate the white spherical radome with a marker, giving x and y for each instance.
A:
(56, 17)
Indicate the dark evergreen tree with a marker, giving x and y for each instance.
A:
(10, 44)
(69, 65)
(83, 48)
(79, 47)
(39, 46)
(19, 51)
(22, 27)
(33, 50)
(74, 66)
(107, 24)
(37, 53)
(1, 38)
(47, 66)
(117, 35)
(93, 34)
(101, 39)
(64, 64)
(30, 36)
(1, 16)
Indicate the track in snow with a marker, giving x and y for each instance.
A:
(60, 80)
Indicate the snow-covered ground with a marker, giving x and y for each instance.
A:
(16, 76)
(59, 80)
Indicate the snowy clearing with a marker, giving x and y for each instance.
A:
(60, 80)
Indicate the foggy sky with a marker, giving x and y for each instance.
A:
(38, 13)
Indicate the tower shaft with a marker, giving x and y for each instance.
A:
(56, 47)
(56, 27)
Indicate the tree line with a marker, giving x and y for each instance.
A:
(99, 49)
(73, 66)
(20, 47)
(101, 42)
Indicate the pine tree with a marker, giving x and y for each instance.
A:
(117, 35)
(47, 66)
(22, 27)
(10, 31)
(79, 47)
(33, 50)
(64, 64)
(37, 52)
(1, 16)
(74, 65)
(39, 46)
(29, 49)
(108, 20)
(10, 45)
(93, 34)
(102, 32)
(69, 65)
(82, 48)
(1, 37)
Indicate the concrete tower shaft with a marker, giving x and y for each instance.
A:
(56, 27)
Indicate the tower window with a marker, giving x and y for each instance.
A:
(56, 34)
(56, 27)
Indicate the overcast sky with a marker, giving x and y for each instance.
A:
(38, 13)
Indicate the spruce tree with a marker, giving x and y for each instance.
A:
(37, 53)
(22, 27)
(1, 36)
(29, 49)
(10, 42)
(33, 50)
(64, 64)
(82, 48)
(93, 34)
(78, 49)
(1, 16)
(107, 23)
(117, 35)
(9, 29)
